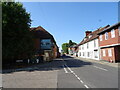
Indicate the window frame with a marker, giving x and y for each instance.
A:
(101, 37)
(112, 33)
(106, 35)
(119, 30)
(110, 52)
(104, 52)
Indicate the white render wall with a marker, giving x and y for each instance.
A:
(92, 50)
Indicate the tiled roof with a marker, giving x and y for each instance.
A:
(40, 32)
(92, 36)
(109, 28)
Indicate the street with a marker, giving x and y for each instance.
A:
(66, 72)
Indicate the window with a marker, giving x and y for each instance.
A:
(90, 36)
(100, 37)
(109, 52)
(106, 35)
(112, 33)
(119, 30)
(80, 53)
(83, 53)
(94, 43)
(47, 43)
(87, 45)
(88, 54)
(104, 53)
(82, 47)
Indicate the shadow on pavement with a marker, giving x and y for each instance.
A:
(53, 65)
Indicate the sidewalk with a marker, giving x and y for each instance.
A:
(99, 61)
(37, 76)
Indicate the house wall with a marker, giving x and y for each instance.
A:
(106, 56)
(37, 43)
(55, 52)
(89, 50)
(110, 40)
(111, 43)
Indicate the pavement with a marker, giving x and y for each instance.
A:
(117, 65)
(66, 72)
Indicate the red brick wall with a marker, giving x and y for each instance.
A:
(110, 40)
(55, 52)
(107, 57)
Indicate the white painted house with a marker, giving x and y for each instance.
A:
(89, 46)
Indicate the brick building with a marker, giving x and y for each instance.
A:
(89, 46)
(45, 45)
(109, 42)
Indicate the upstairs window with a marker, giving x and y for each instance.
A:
(90, 36)
(112, 33)
(82, 47)
(119, 30)
(94, 43)
(106, 35)
(100, 37)
(87, 45)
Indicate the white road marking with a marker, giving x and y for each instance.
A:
(69, 68)
(65, 69)
(86, 86)
(100, 68)
(74, 74)
(81, 81)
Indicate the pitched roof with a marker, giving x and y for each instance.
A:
(109, 28)
(92, 36)
(40, 32)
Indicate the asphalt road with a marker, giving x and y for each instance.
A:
(82, 74)
(67, 72)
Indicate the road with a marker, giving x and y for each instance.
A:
(67, 72)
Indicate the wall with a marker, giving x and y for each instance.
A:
(90, 51)
(110, 40)
(107, 57)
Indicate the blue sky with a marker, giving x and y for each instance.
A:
(69, 20)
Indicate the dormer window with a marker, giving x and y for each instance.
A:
(90, 36)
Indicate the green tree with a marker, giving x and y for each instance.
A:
(17, 40)
(65, 47)
(71, 43)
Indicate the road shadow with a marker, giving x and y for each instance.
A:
(56, 64)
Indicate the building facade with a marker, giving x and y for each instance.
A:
(89, 46)
(45, 45)
(109, 41)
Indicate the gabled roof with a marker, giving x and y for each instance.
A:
(40, 32)
(109, 28)
(92, 36)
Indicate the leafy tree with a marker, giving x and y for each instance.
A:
(17, 40)
(65, 47)
(71, 43)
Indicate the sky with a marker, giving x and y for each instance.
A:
(69, 20)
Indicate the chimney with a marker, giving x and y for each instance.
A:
(88, 32)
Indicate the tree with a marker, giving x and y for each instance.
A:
(65, 47)
(71, 43)
(17, 40)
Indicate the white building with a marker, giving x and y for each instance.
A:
(89, 46)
